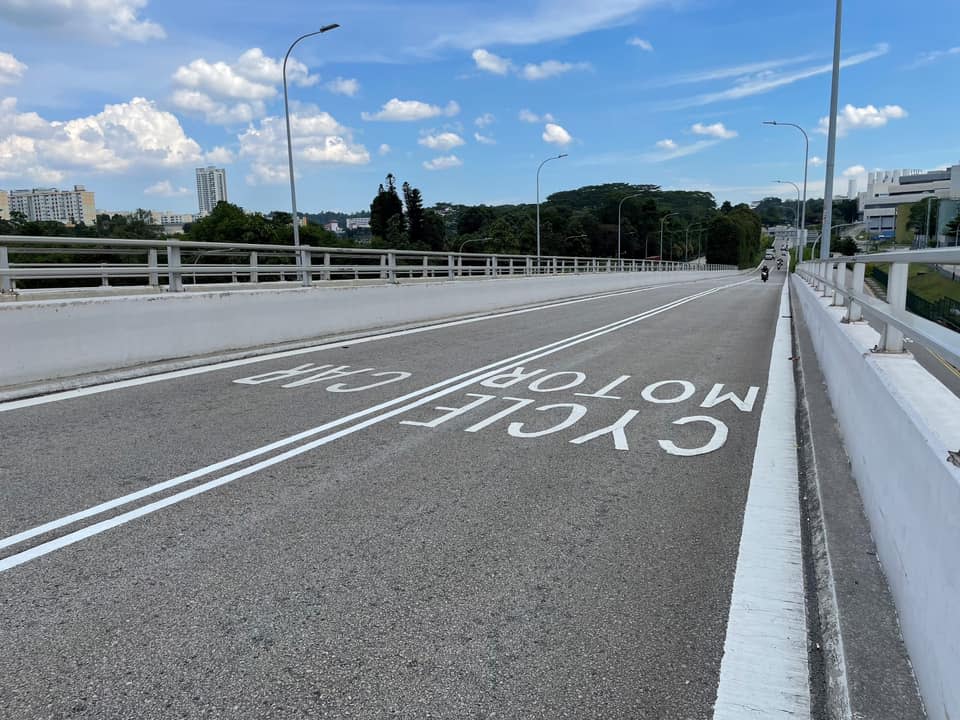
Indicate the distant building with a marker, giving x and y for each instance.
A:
(167, 217)
(852, 189)
(211, 188)
(71, 207)
(4, 205)
(358, 223)
(890, 191)
(333, 227)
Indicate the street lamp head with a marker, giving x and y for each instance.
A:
(561, 155)
(769, 122)
(327, 28)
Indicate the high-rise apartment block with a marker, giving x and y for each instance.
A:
(71, 207)
(211, 188)
(4, 205)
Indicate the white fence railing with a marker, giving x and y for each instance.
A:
(172, 264)
(830, 278)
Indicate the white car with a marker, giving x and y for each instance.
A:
(768, 255)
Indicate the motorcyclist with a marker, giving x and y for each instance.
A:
(764, 272)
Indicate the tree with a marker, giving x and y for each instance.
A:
(952, 228)
(845, 246)
(918, 218)
(414, 202)
(385, 206)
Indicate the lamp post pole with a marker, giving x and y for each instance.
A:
(831, 137)
(686, 242)
(787, 182)
(619, 208)
(806, 163)
(662, 220)
(304, 275)
(555, 157)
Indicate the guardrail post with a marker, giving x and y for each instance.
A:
(383, 267)
(840, 280)
(254, 267)
(892, 339)
(426, 266)
(306, 265)
(104, 276)
(494, 262)
(154, 276)
(450, 266)
(392, 267)
(325, 274)
(174, 277)
(854, 312)
(529, 265)
(6, 282)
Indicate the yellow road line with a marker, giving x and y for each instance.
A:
(945, 363)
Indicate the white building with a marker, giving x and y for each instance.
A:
(890, 191)
(333, 227)
(4, 205)
(358, 223)
(71, 207)
(852, 189)
(211, 188)
(167, 217)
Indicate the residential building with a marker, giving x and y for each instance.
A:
(4, 205)
(890, 192)
(358, 223)
(333, 227)
(168, 217)
(71, 207)
(211, 188)
(852, 189)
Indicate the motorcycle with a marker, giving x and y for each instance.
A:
(764, 273)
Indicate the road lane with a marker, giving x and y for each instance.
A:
(431, 571)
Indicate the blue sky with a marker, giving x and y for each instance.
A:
(463, 99)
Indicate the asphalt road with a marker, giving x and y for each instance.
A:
(421, 538)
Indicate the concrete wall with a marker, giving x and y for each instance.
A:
(898, 423)
(46, 340)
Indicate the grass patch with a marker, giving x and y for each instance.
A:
(926, 282)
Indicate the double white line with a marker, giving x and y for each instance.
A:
(360, 420)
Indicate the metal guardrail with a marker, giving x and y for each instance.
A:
(177, 261)
(830, 277)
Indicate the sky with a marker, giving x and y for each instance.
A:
(465, 98)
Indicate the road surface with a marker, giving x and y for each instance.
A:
(533, 514)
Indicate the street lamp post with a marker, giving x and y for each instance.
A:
(787, 182)
(806, 162)
(619, 208)
(555, 157)
(686, 242)
(926, 226)
(304, 275)
(662, 220)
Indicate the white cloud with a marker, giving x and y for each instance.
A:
(317, 138)
(670, 149)
(556, 135)
(640, 43)
(104, 19)
(491, 63)
(933, 56)
(869, 116)
(344, 86)
(716, 130)
(548, 21)
(484, 139)
(232, 93)
(485, 120)
(531, 117)
(550, 68)
(164, 188)
(854, 171)
(11, 69)
(444, 162)
(121, 137)
(396, 110)
(384, 149)
(220, 156)
(441, 141)
(216, 112)
(762, 81)
(816, 161)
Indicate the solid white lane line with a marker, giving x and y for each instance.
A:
(764, 671)
(214, 367)
(474, 377)
(283, 442)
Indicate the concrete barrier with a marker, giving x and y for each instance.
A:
(50, 339)
(899, 425)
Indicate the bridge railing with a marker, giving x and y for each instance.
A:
(831, 279)
(173, 264)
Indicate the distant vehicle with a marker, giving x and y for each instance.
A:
(783, 247)
(768, 255)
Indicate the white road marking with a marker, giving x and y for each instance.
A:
(215, 367)
(461, 381)
(764, 671)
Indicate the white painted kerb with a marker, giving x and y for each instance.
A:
(764, 670)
